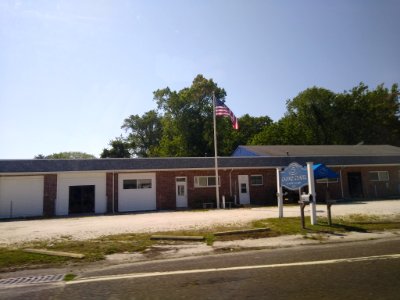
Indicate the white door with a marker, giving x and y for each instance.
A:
(21, 196)
(244, 194)
(181, 192)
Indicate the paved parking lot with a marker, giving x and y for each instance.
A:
(94, 226)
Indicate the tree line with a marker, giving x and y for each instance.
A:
(181, 123)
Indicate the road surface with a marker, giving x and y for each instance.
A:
(361, 270)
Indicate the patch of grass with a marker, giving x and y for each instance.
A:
(69, 277)
(210, 238)
(96, 249)
(355, 223)
(13, 259)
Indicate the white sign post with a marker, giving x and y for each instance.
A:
(311, 191)
(279, 193)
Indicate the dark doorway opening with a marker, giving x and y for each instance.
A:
(355, 185)
(81, 199)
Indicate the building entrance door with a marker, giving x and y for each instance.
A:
(244, 193)
(81, 199)
(181, 192)
(355, 185)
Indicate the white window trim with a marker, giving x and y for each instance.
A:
(380, 176)
(196, 181)
(138, 184)
(327, 180)
(257, 184)
(181, 179)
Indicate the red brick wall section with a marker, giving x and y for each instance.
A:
(264, 194)
(371, 189)
(381, 189)
(49, 195)
(166, 193)
(109, 192)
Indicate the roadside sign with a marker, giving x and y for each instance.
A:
(294, 176)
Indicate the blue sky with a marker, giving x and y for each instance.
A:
(72, 70)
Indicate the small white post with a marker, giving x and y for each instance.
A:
(223, 201)
(311, 191)
(279, 193)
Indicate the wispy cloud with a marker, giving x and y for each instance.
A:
(52, 11)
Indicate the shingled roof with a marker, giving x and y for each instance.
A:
(183, 163)
(317, 150)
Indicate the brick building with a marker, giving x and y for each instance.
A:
(97, 186)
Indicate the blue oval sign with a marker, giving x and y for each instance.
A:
(294, 176)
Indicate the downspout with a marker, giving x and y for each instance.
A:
(113, 192)
(341, 182)
(230, 182)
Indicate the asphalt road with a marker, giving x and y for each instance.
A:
(362, 270)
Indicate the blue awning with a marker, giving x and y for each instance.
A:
(322, 171)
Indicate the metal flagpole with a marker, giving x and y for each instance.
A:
(215, 152)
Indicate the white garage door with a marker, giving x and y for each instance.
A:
(136, 191)
(21, 196)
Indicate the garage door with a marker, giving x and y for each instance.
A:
(21, 196)
(81, 193)
(136, 192)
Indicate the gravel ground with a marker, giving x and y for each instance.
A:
(12, 232)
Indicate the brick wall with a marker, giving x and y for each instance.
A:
(110, 185)
(370, 189)
(49, 195)
(264, 194)
(166, 193)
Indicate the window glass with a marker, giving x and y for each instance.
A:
(378, 175)
(130, 184)
(206, 181)
(256, 180)
(243, 188)
(211, 181)
(144, 184)
(202, 181)
(181, 190)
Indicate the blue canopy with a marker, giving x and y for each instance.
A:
(322, 171)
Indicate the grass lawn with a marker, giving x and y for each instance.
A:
(14, 258)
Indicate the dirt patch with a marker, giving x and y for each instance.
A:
(84, 228)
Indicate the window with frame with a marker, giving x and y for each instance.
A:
(378, 175)
(256, 180)
(206, 181)
(328, 180)
(137, 184)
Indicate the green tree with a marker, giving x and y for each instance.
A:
(319, 116)
(66, 155)
(249, 127)
(119, 149)
(144, 133)
(371, 117)
(286, 131)
(187, 119)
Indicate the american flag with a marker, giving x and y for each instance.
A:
(222, 110)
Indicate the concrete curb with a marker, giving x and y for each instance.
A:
(244, 231)
(54, 253)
